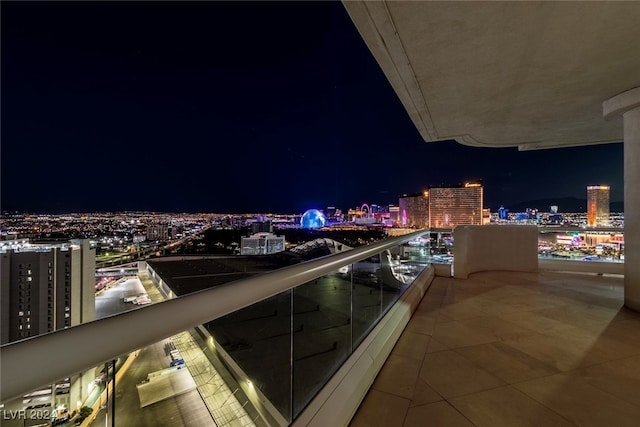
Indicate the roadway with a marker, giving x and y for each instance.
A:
(186, 409)
(109, 301)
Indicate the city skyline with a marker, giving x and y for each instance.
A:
(225, 107)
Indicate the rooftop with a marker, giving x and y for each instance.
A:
(506, 348)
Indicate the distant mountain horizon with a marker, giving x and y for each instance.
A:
(565, 204)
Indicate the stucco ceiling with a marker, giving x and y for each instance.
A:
(504, 74)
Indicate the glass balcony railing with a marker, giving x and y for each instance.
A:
(306, 333)
(257, 365)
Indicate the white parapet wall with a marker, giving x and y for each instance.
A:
(575, 266)
(494, 247)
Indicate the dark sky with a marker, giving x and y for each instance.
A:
(230, 107)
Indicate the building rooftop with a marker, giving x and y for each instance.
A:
(506, 349)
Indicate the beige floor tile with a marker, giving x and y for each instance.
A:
(424, 394)
(506, 406)
(381, 410)
(459, 334)
(581, 315)
(422, 323)
(606, 343)
(465, 309)
(575, 399)
(439, 414)
(533, 320)
(450, 374)
(625, 313)
(398, 376)
(496, 307)
(435, 346)
(412, 345)
(619, 377)
(560, 352)
(500, 329)
(569, 350)
(507, 363)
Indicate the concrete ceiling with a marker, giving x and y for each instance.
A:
(504, 74)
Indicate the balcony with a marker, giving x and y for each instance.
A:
(513, 349)
(497, 348)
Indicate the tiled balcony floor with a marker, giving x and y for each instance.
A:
(513, 349)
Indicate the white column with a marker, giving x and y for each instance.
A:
(627, 104)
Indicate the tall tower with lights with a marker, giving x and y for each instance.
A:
(598, 205)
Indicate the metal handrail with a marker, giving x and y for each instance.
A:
(28, 364)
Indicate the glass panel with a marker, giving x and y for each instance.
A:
(394, 282)
(367, 296)
(581, 245)
(322, 334)
(258, 339)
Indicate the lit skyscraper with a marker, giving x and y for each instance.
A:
(45, 287)
(597, 205)
(443, 207)
(455, 205)
(414, 210)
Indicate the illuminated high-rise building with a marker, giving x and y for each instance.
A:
(394, 214)
(598, 205)
(414, 210)
(456, 205)
(443, 206)
(45, 287)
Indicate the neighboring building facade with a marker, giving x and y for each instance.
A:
(261, 227)
(158, 232)
(444, 207)
(262, 244)
(456, 205)
(598, 205)
(414, 210)
(46, 287)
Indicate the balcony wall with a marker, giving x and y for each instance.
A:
(495, 247)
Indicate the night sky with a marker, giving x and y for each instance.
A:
(230, 107)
